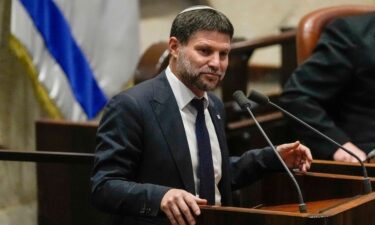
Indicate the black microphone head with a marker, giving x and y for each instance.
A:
(259, 98)
(241, 99)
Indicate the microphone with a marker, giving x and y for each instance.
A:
(263, 100)
(244, 103)
(370, 155)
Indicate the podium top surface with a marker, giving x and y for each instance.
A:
(316, 209)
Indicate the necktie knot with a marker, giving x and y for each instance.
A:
(198, 104)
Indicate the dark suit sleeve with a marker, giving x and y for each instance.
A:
(252, 165)
(313, 91)
(119, 149)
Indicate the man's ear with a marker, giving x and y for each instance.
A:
(174, 46)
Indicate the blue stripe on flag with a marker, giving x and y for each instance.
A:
(61, 44)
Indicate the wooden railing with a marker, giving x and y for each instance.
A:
(47, 157)
(63, 185)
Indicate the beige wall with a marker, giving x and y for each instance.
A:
(19, 107)
(251, 18)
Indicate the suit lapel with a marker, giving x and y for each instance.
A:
(224, 185)
(170, 121)
(218, 124)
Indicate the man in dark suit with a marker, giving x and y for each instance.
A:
(150, 166)
(334, 90)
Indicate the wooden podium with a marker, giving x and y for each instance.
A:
(357, 210)
(64, 188)
(330, 198)
(332, 191)
(325, 166)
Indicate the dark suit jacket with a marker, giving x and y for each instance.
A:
(142, 152)
(334, 90)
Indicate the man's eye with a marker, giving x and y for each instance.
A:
(223, 54)
(204, 51)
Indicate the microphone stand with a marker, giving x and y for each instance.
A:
(366, 180)
(245, 103)
(302, 206)
(262, 99)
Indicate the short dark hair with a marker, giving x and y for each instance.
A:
(188, 23)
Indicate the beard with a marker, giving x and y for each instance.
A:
(192, 76)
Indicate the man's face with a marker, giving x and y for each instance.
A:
(202, 62)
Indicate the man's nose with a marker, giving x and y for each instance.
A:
(214, 61)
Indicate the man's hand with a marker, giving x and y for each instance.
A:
(341, 155)
(295, 155)
(181, 207)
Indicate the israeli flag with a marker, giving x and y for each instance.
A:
(78, 53)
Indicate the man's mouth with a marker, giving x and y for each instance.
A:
(211, 74)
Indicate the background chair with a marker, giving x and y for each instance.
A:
(311, 26)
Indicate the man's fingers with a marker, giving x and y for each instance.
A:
(288, 146)
(353, 160)
(183, 206)
(194, 203)
(169, 215)
(307, 153)
(307, 165)
(200, 201)
(177, 214)
(304, 166)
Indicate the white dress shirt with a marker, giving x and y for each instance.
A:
(188, 113)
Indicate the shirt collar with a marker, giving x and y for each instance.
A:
(181, 92)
